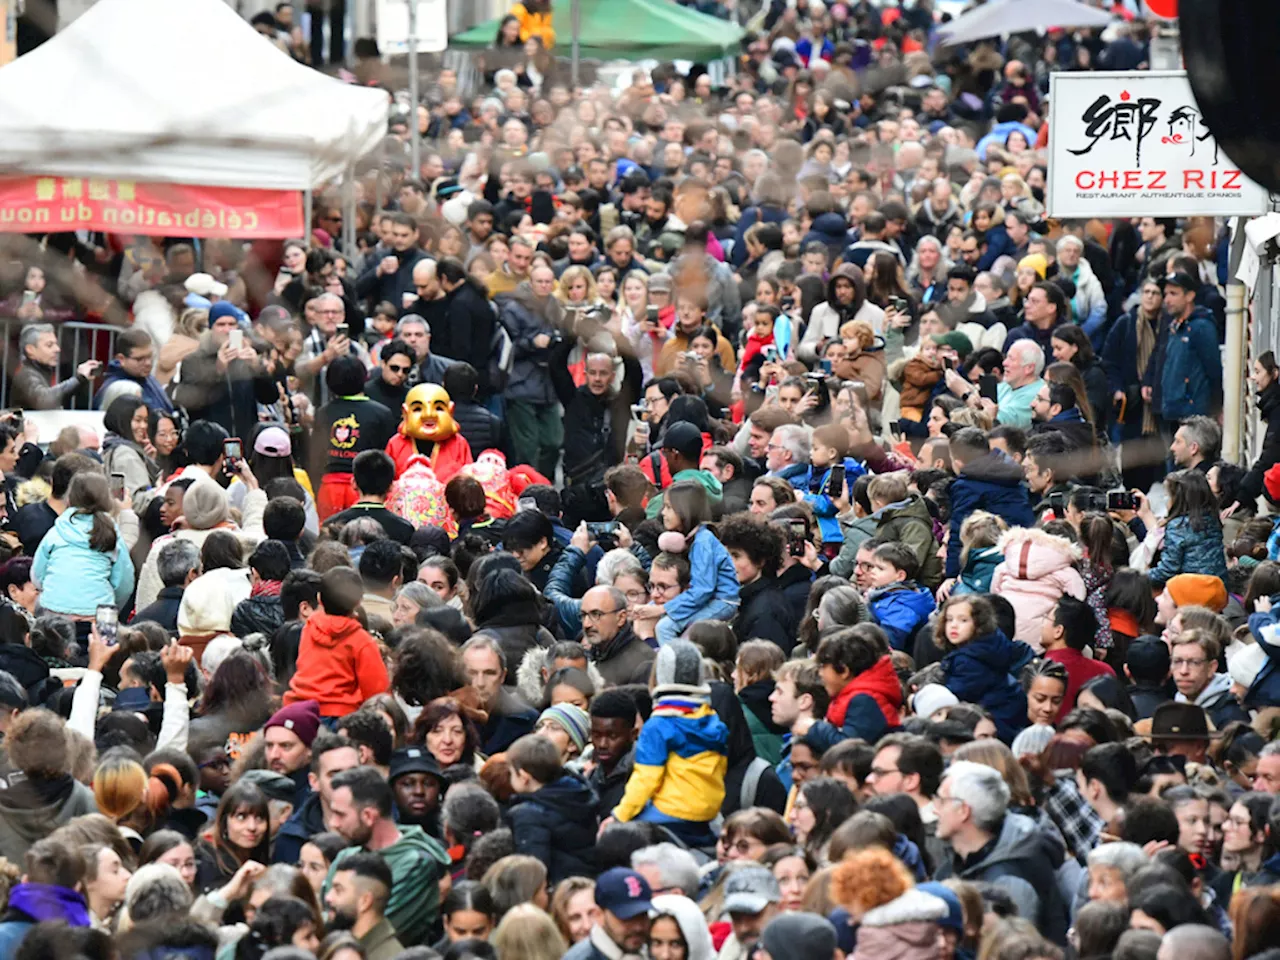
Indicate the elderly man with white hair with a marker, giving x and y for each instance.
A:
(1023, 365)
(788, 452)
(991, 845)
(1089, 305)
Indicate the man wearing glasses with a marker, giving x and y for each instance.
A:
(611, 642)
(1195, 673)
(325, 343)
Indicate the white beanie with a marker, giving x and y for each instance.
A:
(1245, 665)
(931, 698)
(1032, 740)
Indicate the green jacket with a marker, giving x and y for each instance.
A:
(714, 490)
(417, 863)
(768, 744)
(909, 522)
(381, 943)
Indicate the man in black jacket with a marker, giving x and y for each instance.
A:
(391, 277)
(481, 428)
(178, 563)
(389, 383)
(464, 329)
(299, 599)
(589, 447)
(763, 613)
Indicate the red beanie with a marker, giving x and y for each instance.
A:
(303, 718)
(1271, 483)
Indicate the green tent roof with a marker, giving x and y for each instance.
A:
(628, 30)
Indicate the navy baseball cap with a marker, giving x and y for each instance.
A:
(623, 892)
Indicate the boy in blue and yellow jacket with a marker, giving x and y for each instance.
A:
(682, 754)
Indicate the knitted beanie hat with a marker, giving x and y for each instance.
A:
(1245, 664)
(679, 663)
(572, 719)
(1198, 589)
(204, 506)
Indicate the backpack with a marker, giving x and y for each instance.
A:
(751, 782)
(501, 353)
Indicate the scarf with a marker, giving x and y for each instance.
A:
(1124, 622)
(1146, 346)
(44, 901)
(265, 588)
(605, 945)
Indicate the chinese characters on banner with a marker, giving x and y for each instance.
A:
(40, 204)
(1136, 145)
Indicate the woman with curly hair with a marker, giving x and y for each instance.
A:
(426, 668)
(448, 733)
(894, 919)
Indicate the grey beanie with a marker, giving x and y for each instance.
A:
(680, 663)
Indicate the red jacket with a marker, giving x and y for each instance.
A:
(339, 666)
(880, 683)
(446, 460)
(1080, 670)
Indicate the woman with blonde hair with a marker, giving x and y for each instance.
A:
(577, 288)
(527, 933)
(573, 907)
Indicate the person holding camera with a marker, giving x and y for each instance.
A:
(534, 319)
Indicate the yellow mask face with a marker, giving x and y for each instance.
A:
(428, 414)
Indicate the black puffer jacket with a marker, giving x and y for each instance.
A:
(1269, 407)
(261, 614)
(557, 824)
(481, 429)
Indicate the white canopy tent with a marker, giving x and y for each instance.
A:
(179, 91)
(1003, 17)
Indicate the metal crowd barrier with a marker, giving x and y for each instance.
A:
(80, 341)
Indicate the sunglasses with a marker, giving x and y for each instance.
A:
(396, 368)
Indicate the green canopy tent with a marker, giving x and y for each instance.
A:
(627, 30)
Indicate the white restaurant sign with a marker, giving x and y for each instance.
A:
(1134, 144)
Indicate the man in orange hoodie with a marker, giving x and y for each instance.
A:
(339, 665)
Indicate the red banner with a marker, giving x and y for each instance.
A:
(59, 204)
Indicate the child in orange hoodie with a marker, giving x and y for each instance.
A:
(339, 664)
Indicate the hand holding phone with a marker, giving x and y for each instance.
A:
(117, 486)
(235, 339)
(232, 450)
(107, 622)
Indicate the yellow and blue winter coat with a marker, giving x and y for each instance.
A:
(680, 762)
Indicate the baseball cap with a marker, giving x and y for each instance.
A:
(1183, 280)
(750, 890)
(273, 442)
(684, 438)
(413, 760)
(624, 893)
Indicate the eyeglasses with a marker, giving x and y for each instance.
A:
(881, 772)
(637, 596)
(330, 313)
(222, 763)
(663, 587)
(1188, 664)
(591, 616)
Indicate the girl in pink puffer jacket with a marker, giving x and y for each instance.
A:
(1038, 568)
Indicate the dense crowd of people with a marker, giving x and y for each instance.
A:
(691, 521)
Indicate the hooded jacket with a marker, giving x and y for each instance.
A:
(525, 316)
(1219, 702)
(711, 577)
(1189, 368)
(901, 609)
(1089, 305)
(993, 483)
(905, 928)
(828, 317)
(693, 925)
(558, 824)
(339, 666)
(32, 903)
(867, 708)
(1022, 860)
(1070, 424)
(978, 569)
(829, 229)
(73, 577)
(30, 810)
(681, 758)
(929, 221)
(1038, 568)
(908, 522)
(985, 671)
(417, 863)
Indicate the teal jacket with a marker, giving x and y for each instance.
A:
(72, 576)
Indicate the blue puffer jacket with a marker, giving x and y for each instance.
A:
(993, 483)
(815, 489)
(74, 578)
(985, 671)
(1187, 550)
(711, 577)
(1265, 689)
(900, 609)
(1191, 374)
